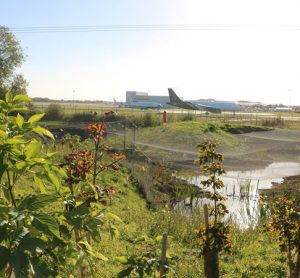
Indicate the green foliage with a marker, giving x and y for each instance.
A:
(210, 128)
(73, 141)
(148, 263)
(274, 122)
(33, 238)
(54, 112)
(159, 185)
(147, 119)
(81, 117)
(11, 57)
(216, 236)
(285, 226)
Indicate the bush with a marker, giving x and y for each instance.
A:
(273, 122)
(145, 120)
(82, 117)
(54, 112)
(210, 128)
(88, 117)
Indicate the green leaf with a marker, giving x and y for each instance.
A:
(3, 134)
(33, 245)
(36, 202)
(158, 239)
(41, 268)
(114, 232)
(54, 179)
(18, 235)
(109, 215)
(21, 98)
(19, 109)
(122, 259)
(21, 165)
(36, 118)
(3, 231)
(42, 131)
(33, 148)
(8, 97)
(61, 171)
(3, 164)
(20, 264)
(16, 140)
(46, 223)
(65, 232)
(96, 255)
(4, 257)
(125, 273)
(94, 190)
(19, 120)
(40, 184)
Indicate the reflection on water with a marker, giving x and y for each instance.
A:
(241, 189)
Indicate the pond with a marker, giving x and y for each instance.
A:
(242, 190)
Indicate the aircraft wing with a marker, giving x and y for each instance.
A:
(208, 108)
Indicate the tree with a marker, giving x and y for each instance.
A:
(215, 235)
(11, 57)
(54, 112)
(285, 226)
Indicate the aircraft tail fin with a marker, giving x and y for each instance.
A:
(173, 97)
(115, 101)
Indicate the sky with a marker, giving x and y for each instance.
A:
(254, 57)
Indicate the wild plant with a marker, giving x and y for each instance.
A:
(43, 235)
(215, 235)
(285, 226)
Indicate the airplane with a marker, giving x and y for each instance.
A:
(139, 104)
(213, 106)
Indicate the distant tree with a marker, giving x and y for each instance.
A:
(54, 112)
(11, 57)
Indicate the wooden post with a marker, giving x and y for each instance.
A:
(162, 272)
(206, 216)
(124, 138)
(211, 261)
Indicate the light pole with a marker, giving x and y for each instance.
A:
(290, 96)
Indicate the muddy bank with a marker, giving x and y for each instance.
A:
(289, 185)
(256, 150)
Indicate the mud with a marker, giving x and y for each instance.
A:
(257, 151)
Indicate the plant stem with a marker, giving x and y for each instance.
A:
(95, 162)
(10, 189)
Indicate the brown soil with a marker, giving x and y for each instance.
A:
(259, 150)
(289, 184)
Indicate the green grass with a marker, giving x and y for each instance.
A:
(254, 254)
(187, 135)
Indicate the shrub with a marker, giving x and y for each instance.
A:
(54, 112)
(273, 122)
(146, 120)
(210, 128)
(187, 117)
(81, 117)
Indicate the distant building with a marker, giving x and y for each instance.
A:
(136, 96)
(283, 109)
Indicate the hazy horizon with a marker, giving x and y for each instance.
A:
(241, 51)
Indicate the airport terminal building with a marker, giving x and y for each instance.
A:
(135, 96)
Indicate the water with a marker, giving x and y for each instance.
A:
(241, 188)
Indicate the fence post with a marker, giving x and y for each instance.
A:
(124, 139)
(162, 272)
(211, 262)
